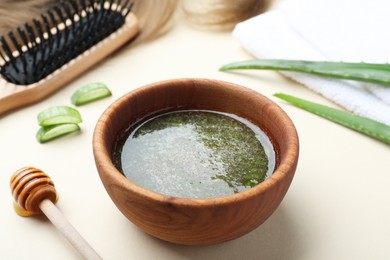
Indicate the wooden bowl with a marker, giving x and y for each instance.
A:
(196, 221)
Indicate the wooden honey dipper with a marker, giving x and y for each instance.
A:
(34, 193)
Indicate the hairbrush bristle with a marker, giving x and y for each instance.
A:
(66, 30)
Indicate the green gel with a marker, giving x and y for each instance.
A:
(196, 154)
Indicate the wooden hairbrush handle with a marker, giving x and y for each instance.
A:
(34, 193)
(15, 96)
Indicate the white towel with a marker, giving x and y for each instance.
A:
(347, 30)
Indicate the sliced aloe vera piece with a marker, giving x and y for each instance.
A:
(367, 72)
(47, 133)
(59, 115)
(90, 93)
(361, 124)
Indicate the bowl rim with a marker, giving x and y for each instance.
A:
(103, 158)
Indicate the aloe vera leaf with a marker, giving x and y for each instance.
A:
(366, 72)
(361, 124)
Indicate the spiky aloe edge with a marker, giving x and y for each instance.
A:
(366, 72)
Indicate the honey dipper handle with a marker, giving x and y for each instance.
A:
(70, 233)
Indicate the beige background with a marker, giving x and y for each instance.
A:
(337, 207)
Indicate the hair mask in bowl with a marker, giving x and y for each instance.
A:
(192, 221)
(196, 154)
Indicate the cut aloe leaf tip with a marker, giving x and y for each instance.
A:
(59, 115)
(47, 133)
(90, 93)
(57, 121)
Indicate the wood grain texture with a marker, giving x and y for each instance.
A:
(15, 96)
(196, 221)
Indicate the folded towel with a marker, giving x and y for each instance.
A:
(348, 30)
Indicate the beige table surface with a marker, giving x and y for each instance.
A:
(338, 206)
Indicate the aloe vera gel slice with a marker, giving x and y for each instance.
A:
(48, 133)
(57, 121)
(361, 124)
(90, 93)
(59, 115)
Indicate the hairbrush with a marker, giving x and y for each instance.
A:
(41, 56)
